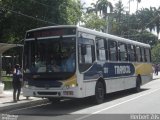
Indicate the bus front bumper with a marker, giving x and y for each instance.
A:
(42, 92)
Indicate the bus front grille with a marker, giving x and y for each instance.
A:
(47, 93)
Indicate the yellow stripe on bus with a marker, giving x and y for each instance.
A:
(143, 68)
(71, 81)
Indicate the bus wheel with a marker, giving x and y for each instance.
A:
(99, 93)
(138, 84)
(54, 100)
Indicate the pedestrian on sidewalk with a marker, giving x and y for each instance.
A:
(156, 69)
(17, 75)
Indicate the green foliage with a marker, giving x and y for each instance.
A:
(92, 21)
(102, 7)
(156, 53)
(7, 78)
(123, 24)
(17, 16)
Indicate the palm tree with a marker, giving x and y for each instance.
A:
(138, 1)
(151, 24)
(119, 10)
(157, 20)
(118, 14)
(154, 21)
(102, 8)
(92, 8)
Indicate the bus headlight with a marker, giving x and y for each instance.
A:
(70, 86)
(73, 85)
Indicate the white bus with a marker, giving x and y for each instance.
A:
(69, 61)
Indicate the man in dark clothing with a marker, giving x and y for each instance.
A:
(156, 69)
(16, 83)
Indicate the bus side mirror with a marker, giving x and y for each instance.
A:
(83, 50)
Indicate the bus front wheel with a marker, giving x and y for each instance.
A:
(99, 93)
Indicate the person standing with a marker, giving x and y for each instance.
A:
(17, 75)
(156, 69)
(8, 69)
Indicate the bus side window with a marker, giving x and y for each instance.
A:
(106, 49)
(122, 52)
(131, 53)
(87, 55)
(147, 55)
(143, 55)
(86, 58)
(112, 46)
(101, 49)
(138, 54)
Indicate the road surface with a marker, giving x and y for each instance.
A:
(124, 105)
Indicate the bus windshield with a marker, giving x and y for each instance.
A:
(52, 55)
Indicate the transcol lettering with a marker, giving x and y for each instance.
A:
(122, 69)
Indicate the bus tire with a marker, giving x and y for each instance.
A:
(138, 84)
(99, 92)
(54, 100)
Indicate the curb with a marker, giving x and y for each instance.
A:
(27, 103)
(156, 78)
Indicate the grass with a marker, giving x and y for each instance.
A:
(7, 80)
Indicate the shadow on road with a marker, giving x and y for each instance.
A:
(66, 107)
(120, 94)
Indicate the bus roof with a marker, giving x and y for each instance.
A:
(49, 27)
(94, 32)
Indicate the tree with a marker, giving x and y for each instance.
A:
(149, 18)
(118, 10)
(123, 24)
(92, 21)
(102, 7)
(138, 1)
(157, 20)
(17, 16)
(119, 15)
(92, 9)
(155, 53)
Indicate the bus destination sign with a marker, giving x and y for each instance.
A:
(51, 32)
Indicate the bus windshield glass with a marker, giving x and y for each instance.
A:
(52, 55)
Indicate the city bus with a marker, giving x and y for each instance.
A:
(68, 61)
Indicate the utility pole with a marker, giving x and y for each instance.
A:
(107, 20)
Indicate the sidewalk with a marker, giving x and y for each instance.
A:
(6, 101)
(156, 76)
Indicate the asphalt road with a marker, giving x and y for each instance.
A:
(124, 105)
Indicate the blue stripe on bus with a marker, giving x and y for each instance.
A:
(107, 70)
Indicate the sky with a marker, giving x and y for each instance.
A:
(143, 4)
